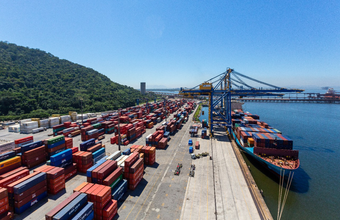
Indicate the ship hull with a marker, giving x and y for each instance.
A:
(276, 170)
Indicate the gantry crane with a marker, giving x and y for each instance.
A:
(220, 90)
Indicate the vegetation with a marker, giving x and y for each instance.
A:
(198, 112)
(34, 83)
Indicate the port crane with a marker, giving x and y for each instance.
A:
(221, 90)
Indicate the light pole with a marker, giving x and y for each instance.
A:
(119, 129)
(82, 114)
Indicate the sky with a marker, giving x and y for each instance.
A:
(176, 43)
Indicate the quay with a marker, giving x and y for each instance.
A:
(221, 188)
(291, 99)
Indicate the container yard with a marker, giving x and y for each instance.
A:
(72, 171)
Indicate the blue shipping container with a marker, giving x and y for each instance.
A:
(61, 155)
(30, 203)
(31, 146)
(89, 171)
(72, 208)
(98, 158)
(7, 155)
(119, 190)
(98, 152)
(62, 161)
(85, 212)
(25, 185)
(127, 151)
(91, 216)
(87, 144)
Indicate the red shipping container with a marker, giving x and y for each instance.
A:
(28, 198)
(5, 182)
(113, 176)
(107, 170)
(10, 186)
(110, 209)
(23, 140)
(95, 171)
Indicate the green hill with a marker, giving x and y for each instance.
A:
(34, 83)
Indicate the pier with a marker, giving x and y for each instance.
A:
(297, 98)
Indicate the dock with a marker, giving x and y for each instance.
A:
(220, 188)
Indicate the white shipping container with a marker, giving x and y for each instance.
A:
(45, 123)
(65, 118)
(82, 116)
(24, 120)
(54, 121)
(14, 128)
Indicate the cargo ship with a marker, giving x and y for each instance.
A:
(265, 144)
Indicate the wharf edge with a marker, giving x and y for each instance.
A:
(254, 190)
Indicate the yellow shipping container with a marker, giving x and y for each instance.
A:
(10, 162)
(36, 119)
(55, 115)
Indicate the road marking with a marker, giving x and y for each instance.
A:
(180, 207)
(172, 179)
(172, 159)
(163, 204)
(158, 216)
(166, 194)
(123, 207)
(170, 185)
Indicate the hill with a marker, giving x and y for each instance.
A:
(34, 83)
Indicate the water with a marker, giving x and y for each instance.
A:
(314, 129)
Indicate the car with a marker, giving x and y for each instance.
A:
(190, 142)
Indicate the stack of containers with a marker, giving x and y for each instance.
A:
(75, 206)
(102, 171)
(57, 129)
(27, 191)
(101, 132)
(62, 159)
(53, 121)
(55, 180)
(99, 154)
(108, 127)
(23, 141)
(10, 164)
(162, 143)
(55, 145)
(45, 123)
(68, 142)
(4, 205)
(131, 134)
(84, 136)
(149, 155)
(35, 156)
(12, 176)
(83, 160)
(133, 170)
(27, 127)
(87, 144)
(65, 118)
(104, 207)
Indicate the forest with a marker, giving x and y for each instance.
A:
(36, 84)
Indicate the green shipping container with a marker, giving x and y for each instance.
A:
(56, 139)
(117, 181)
(97, 125)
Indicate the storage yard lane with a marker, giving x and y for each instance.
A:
(160, 195)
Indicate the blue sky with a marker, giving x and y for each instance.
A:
(183, 43)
